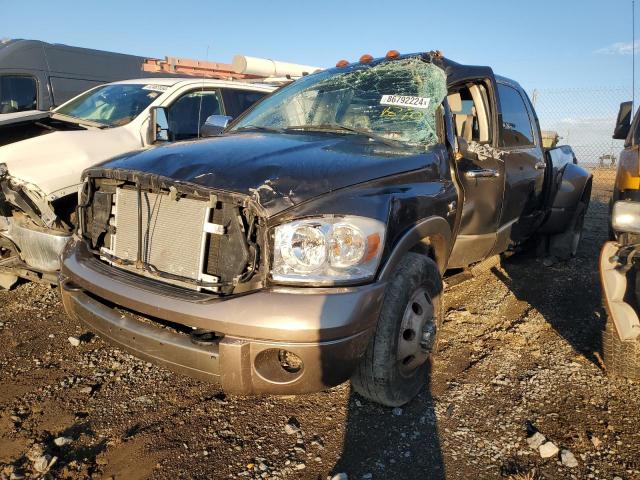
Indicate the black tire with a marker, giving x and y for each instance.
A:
(565, 245)
(621, 357)
(381, 376)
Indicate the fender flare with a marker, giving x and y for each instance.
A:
(572, 185)
(433, 231)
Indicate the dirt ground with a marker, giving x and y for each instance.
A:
(520, 351)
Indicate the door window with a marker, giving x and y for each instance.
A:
(189, 112)
(245, 99)
(516, 124)
(18, 93)
(469, 107)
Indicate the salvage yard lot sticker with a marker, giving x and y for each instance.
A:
(405, 101)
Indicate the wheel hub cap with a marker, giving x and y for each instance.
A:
(417, 332)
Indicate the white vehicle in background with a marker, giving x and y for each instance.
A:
(40, 175)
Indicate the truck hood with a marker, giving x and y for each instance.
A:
(54, 162)
(278, 170)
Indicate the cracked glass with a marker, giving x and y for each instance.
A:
(392, 100)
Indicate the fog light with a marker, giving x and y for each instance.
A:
(278, 365)
(290, 362)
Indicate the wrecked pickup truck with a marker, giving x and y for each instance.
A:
(307, 244)
(40, 176)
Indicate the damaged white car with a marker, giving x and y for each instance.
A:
(40, 176)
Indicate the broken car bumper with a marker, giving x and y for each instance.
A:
(325, 330)
(39, 248)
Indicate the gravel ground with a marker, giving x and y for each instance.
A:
(520, 355)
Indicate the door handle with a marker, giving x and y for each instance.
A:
(540, 165)
(481, 173)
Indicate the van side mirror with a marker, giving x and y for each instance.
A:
(215, 125)
(623, 123)
(159, 125)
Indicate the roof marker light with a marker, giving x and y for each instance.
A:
(342, 63)
(366, 58)
(393, 54)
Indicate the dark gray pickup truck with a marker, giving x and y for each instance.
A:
(306, 245)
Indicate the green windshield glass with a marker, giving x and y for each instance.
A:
(111, 105)
(394, 99)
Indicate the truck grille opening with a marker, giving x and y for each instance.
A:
(203, 241)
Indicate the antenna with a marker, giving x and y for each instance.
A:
(202, 95)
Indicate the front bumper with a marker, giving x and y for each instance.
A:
(614, 290)
(328, 329)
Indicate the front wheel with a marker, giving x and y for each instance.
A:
(621, 357)
(397, 361)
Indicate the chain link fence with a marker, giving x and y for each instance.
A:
(585, 119)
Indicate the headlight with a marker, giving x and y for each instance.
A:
(626, 217)
(327, 250)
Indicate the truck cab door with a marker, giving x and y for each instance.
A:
(525, 166)
(479, 171)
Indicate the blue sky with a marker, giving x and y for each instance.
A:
(542, 44)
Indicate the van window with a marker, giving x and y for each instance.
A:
(18, 93)
(516, 124)
(189, 112)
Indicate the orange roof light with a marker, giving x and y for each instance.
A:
(366, 58)
(342, 63)
(393, 54)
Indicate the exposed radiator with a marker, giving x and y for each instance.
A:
(172, 231)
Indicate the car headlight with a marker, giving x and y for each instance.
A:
(327, 250)
(626, 217)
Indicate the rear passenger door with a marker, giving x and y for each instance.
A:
(524, 160)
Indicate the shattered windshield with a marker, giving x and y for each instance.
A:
(112, 105)
(395, 100)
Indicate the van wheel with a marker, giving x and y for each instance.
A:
(621, 357)
(397, 362)
(565, 245)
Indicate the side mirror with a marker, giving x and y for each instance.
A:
(214, 125)
(159, 125)
(623, 123)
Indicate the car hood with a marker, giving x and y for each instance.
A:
(54, 162)
(278, 170)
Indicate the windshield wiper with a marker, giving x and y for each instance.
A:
(342, 128)
(258, 127)
(80, 121)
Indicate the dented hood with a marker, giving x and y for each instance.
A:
(278, 170)
(54, 162)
